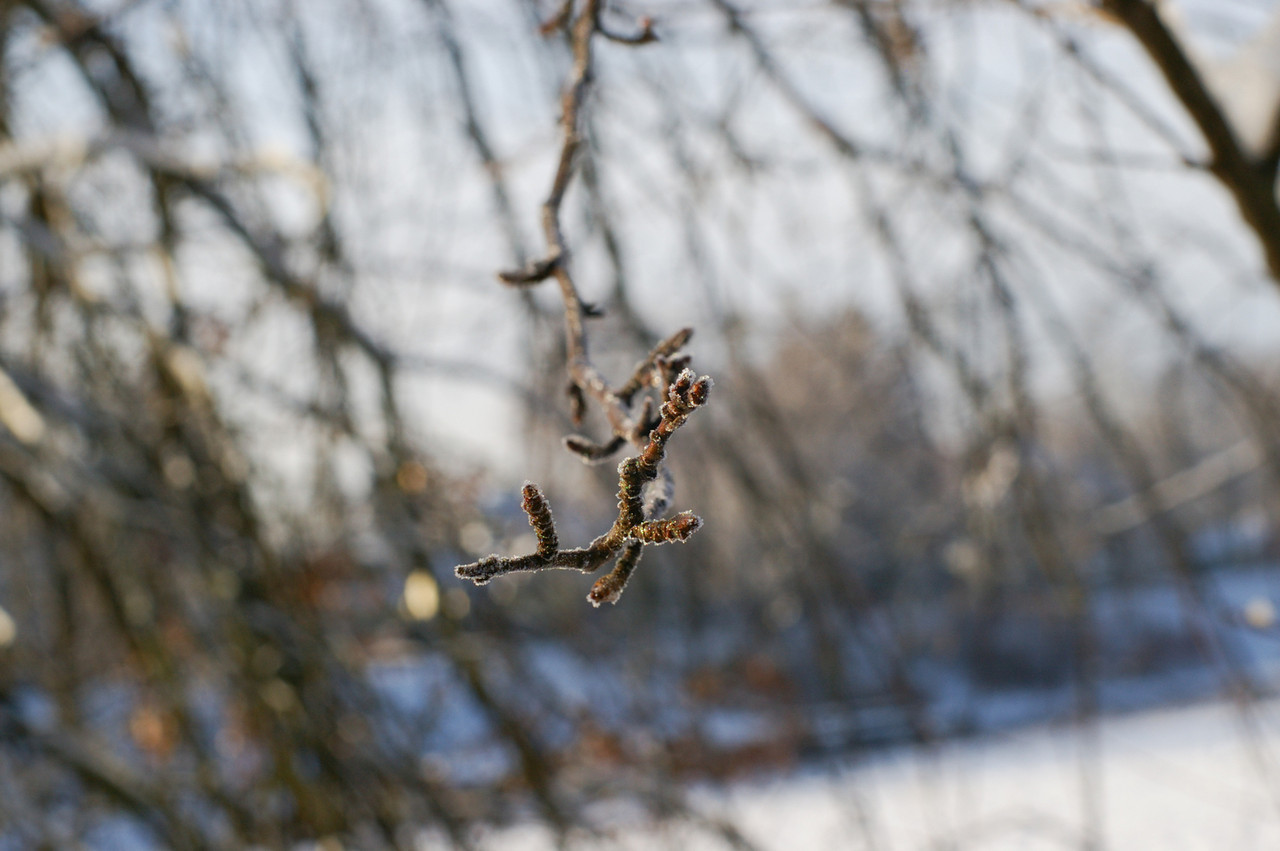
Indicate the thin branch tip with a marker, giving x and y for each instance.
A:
(590, 452)
(644, 34)
(534, 272)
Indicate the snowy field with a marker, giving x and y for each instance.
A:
(1195, 778)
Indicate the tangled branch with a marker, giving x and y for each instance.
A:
(665, 370)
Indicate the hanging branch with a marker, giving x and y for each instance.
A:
(664, 370)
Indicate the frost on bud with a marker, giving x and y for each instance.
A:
(700, 390)
(539, 511)
(685, 394)
(680, 387)
(609, 587)
(677, 528)
(630, 483)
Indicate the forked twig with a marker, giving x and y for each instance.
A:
(630, 531)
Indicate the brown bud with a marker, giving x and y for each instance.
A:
(539, 511)
(699, 391)
(608, 588)
(677, 528)
(680, 387)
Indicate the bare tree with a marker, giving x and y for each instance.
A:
(988, 289)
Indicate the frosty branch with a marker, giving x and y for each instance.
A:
(643, 484)
(631, 530)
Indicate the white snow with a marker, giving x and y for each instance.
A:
(1199, 777)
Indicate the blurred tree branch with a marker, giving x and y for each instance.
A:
(1250, 179)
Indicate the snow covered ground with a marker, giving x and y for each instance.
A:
(1198, 777)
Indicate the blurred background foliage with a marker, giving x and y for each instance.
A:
(994, 336)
